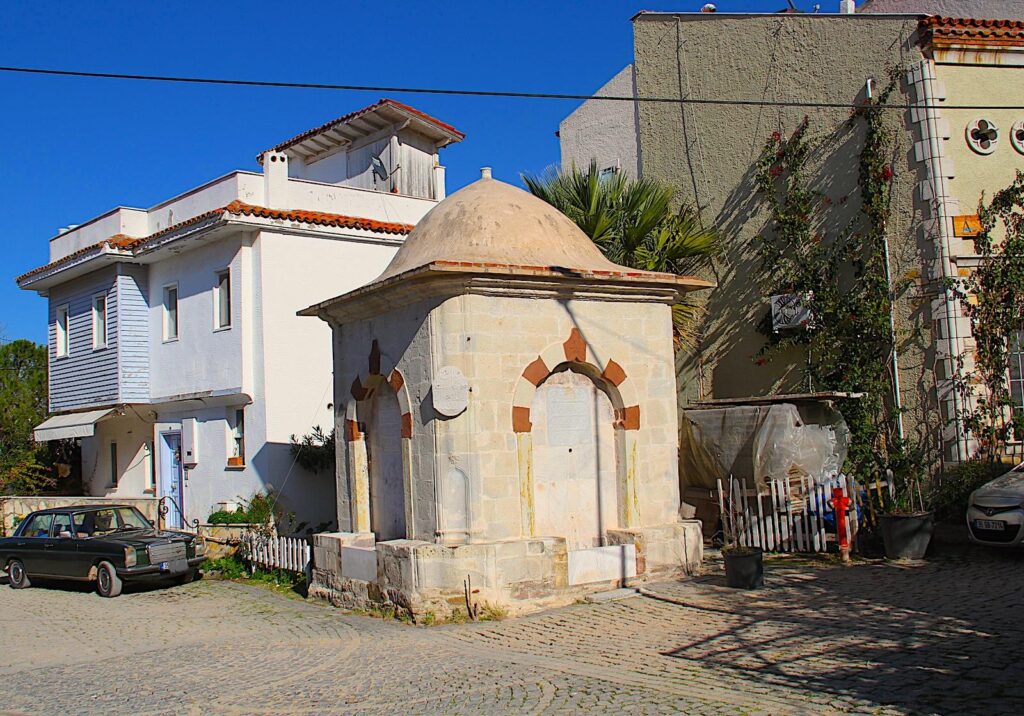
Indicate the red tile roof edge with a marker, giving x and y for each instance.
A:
(943, 31)
(319, 218)
(352, 115)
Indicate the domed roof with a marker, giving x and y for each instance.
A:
(491, 222)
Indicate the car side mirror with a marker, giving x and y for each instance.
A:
(64, 534)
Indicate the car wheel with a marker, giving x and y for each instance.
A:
(108, 584)
(16, 575)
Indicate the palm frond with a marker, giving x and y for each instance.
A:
(633, 223)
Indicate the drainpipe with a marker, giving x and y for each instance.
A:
(897, 395)
(939, 184)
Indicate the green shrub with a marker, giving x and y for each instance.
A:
(223, 517)
(953, 487)
(228, 567)
(259, 510)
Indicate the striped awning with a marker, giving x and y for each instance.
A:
(70, 425)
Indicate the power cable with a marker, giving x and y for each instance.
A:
(472, 92)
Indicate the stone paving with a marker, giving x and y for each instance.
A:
(940, 637)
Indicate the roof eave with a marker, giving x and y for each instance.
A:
(667, 286)
(80, 265)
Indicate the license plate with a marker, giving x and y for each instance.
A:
(989, 525)
(164, 566)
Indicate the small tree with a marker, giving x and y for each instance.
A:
(314, 451)
(632, 221)
(25, 465)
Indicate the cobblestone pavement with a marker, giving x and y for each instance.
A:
(941, 637)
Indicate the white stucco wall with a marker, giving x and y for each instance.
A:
(133, 437)
(211, 480)
(296, 272)
(604, 130)
(202, 358)
(292, 391)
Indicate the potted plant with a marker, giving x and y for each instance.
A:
(744, 565)
(904, 521)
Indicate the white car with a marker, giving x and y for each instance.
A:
(995, 512)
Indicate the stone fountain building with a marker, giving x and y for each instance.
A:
(505, 402)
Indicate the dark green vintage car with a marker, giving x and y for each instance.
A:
(108, 544)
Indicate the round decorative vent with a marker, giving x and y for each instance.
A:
(982, 136)
(1017, 136)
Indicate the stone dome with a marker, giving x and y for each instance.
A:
(492, 222)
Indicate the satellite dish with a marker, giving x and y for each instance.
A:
(378, 168)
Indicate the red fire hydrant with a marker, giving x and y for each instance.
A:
(840, 503)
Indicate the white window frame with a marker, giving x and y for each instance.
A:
(100, 342)
(217, 324)
(235, 439)
(165, 313)
(62, 332)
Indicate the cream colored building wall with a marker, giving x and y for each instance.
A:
(708, 153)
(976, 174)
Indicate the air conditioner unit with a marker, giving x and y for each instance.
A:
(790, 312)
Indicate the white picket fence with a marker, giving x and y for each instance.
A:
(291, 554)
(789, 515)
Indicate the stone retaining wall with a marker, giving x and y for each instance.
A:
(14, 508)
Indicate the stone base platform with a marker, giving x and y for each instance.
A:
(519, 576)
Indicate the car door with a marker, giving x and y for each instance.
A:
(61, 549)
(31, 543)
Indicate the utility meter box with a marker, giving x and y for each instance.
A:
(189, 442)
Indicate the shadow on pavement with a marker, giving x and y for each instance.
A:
(942, 635)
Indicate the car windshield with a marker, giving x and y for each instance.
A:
(114, 519)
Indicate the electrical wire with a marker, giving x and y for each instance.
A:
(473, 92)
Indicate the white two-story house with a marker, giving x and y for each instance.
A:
(176, 354)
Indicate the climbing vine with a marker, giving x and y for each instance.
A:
(992, 297)
(842, 279)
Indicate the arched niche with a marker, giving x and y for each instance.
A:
(609, 394)
(378, 431)
(576, 463)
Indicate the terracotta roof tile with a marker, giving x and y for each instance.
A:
(135, 245)
(320, 218)
(353, 115)
(948, 31)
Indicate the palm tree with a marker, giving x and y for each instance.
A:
(633, 223)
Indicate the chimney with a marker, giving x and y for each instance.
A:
(847, 7)
(485, 172)
(275, 180)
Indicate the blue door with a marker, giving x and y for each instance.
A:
(171, 483)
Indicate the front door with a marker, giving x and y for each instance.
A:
(171, 483)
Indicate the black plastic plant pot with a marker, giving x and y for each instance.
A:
(744, 567)
(906, 536)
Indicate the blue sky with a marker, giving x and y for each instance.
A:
(75, 148)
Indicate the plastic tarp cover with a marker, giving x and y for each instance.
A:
(757, 443)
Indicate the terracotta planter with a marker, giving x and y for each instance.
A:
(744, 567)
(236, 462)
